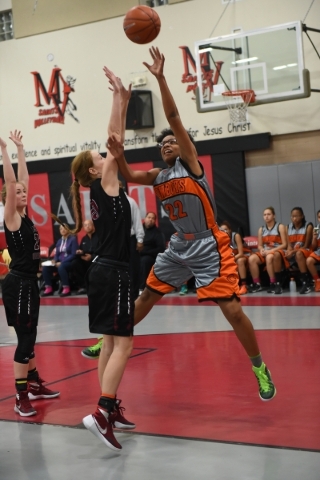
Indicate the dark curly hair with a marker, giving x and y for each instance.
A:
(167, 131)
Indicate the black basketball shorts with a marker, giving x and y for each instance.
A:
(20, 295)
(111, 305)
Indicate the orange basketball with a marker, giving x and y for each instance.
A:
(141, 24)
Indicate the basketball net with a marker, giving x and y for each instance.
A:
(237, 102)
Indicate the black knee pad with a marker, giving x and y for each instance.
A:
(25, 348)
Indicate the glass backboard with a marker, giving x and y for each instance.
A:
(270, 61)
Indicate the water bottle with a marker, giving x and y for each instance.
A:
(292, 286)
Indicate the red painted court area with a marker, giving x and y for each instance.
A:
(248, 300)
(191, 385)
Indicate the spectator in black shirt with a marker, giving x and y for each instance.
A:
(85, 254)
(154, 243)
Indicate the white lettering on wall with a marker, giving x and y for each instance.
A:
(141, 196)
(39, 209)
(63, 211)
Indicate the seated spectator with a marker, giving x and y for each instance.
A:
(66, 248)
(241, 254)
(153, 244)
(136, 243)
(84, 255)
(314, 259)
(299, 234)
(5, 260)
(6, 256)
(272, 242)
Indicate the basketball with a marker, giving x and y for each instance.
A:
(141, 24)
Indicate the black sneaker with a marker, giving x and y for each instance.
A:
(272, 288)
(255, 287)
(305, 288)
(277, 289)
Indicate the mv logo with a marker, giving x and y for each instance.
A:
(58, 93)
(209, 75)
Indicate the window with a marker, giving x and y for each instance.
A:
(6, 26)
(154, 3)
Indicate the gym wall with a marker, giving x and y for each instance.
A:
(81, 51)
(72, 58)
(283, 187)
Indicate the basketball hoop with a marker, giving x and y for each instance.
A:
(237, 102)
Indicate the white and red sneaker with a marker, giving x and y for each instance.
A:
(100, 424)
(23, 405)
(118, 420)
(36, 390)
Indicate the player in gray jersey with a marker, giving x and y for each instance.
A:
(314, 259)
(198, 248)
(299, 233)
(241, 254)
(272, 241)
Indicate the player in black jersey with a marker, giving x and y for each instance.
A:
(111, 305)
(20, 292)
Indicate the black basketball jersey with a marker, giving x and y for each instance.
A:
(24, 247)
(112, 220)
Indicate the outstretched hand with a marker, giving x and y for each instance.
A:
(2, 143)
(116, 84)
(115, 146)
(16, 137)
(158, 62)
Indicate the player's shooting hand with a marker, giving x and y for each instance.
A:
(2, 143)
(16, 137)
(158, 62)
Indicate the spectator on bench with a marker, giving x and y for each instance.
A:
(314, 259)
(66, 248)
(299, 241)
(84, 255)
(136, 243)
(241, 254)
(272, 242)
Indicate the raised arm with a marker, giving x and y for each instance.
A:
(116, 127)
(187, 149)
(23, 175)
(116, 132)
(11, 216)
(135, 176)
(121, 98)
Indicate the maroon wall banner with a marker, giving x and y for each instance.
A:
(223, 161)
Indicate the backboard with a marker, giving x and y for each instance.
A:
(270, 61)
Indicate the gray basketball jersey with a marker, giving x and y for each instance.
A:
(297, 237)
(187, 198)
(271, 236)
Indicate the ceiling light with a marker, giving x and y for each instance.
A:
(243, 60)
(281, 67)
